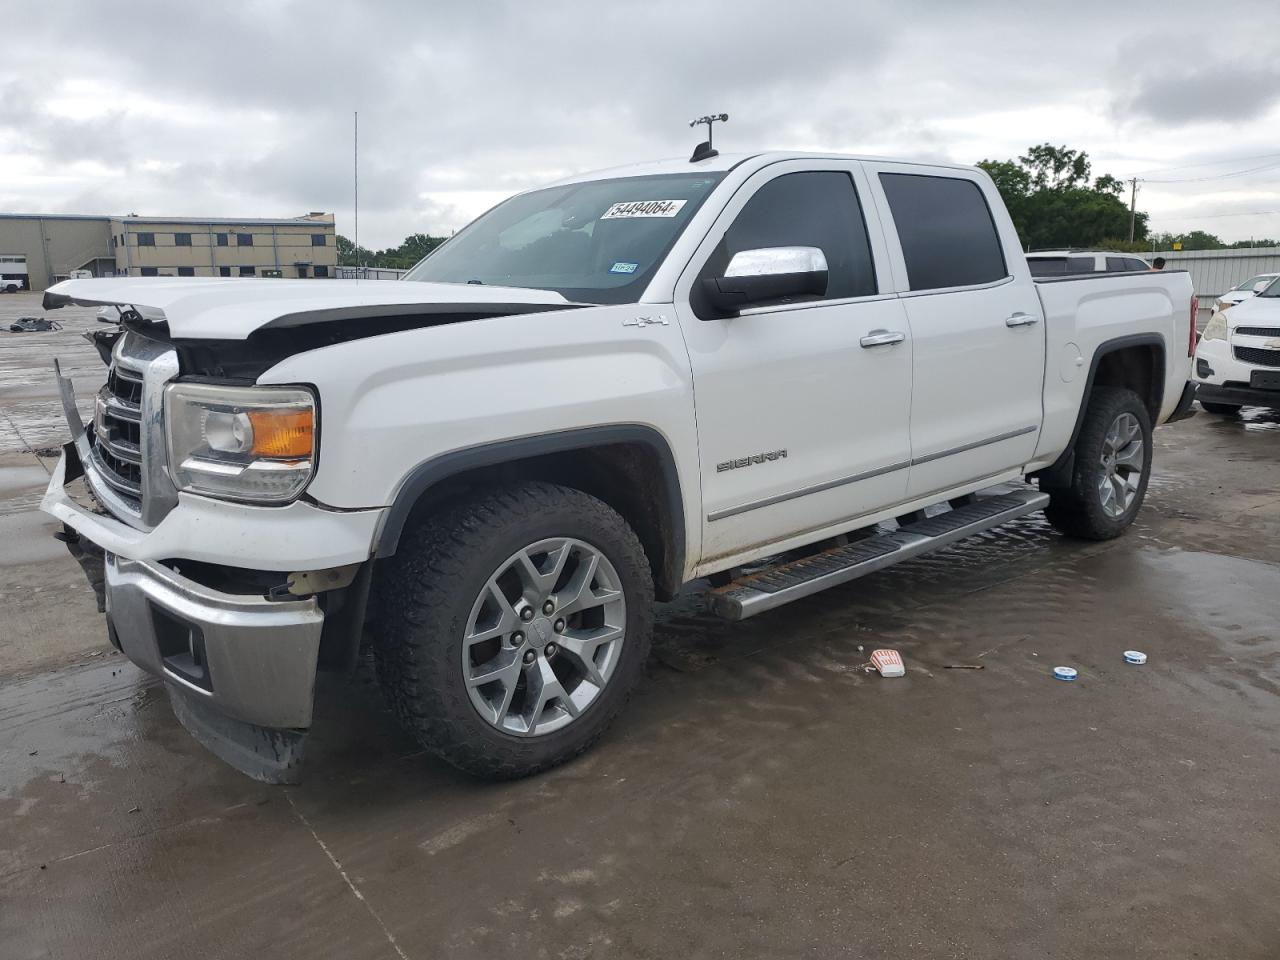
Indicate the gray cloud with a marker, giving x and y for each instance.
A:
(1220, 93)
(240, 108)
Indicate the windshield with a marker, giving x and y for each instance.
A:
(1248, 284)
(1273, 290)
(593, 242)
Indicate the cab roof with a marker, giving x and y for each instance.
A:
(727, 161)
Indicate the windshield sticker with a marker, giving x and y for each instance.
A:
(623, 266)
(643, 208)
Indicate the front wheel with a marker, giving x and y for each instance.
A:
(1112, 468)
(513, 627)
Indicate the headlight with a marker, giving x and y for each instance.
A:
(1216, 328)
(256, 444)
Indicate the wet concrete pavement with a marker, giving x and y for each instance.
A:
(762, 796)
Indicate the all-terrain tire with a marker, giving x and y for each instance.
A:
(1221, 409)
(425, 600)
(1077, 510)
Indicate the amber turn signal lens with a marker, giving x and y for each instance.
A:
(282, 433)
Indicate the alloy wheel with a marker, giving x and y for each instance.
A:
(1123, 458)
(544, 636)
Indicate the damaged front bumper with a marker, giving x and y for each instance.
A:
(240, 667)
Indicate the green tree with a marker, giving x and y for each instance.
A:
(1195, 240)
(411, 250)
(1053, 204)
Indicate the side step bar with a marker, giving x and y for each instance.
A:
(758, 592)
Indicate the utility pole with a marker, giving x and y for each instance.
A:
(355, 184)
(1133, 205)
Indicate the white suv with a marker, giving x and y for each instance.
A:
(1238, 358)
(1245, 290)
(1052, 263)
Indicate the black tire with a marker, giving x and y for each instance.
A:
(1077, 510)
(425, 600)
(1221, 409)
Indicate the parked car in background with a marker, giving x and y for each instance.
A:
(13, 273)
(1246, 290)
(1052, 263)
(1238, 357)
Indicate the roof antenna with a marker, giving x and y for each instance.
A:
(704, 151)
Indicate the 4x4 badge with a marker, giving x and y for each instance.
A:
(646, 321)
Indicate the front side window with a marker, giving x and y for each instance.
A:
(945, 227)
(599, 241)
(817, 208)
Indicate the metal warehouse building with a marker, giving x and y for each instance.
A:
(54, 245)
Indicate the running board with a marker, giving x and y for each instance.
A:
(758, 592)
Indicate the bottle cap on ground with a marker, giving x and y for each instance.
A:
(1064, 673)
(1135, 656)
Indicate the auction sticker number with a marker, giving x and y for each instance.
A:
(643, 208)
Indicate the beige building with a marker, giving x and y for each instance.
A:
(55, 245)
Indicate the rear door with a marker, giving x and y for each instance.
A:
(976, 323)
(802, 408)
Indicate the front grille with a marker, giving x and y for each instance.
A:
(1258, 356)
(117, 434)
(1258, 331)
(127, 449)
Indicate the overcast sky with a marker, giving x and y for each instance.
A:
(161, 107)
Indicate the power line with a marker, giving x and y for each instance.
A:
(1210, 163)
(1219, 176)
(1218, 216)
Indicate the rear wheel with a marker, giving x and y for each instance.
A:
(1112, 468)
(513, 627)
(1221, 409)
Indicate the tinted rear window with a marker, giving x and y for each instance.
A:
(944, 225)
(1047, 266)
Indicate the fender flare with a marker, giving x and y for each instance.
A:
(440, 468)
(1058, 474)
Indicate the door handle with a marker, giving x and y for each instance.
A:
(880, 338)
(1021, 320)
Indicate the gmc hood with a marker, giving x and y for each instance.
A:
(212, 308)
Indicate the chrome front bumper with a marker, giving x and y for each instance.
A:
(240, 669)
(246, 657)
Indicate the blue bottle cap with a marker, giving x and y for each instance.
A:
(1135, 656)
(1064, 673)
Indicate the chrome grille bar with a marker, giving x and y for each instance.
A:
(128, 448)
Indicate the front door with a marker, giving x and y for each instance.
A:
(802, 408)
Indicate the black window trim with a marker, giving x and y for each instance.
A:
(887, 220)
(837, 165)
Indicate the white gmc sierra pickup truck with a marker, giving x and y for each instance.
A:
(597, 392)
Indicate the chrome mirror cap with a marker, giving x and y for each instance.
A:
(772, 261)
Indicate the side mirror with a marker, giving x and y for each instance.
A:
(768, 274)
(1260, 286)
